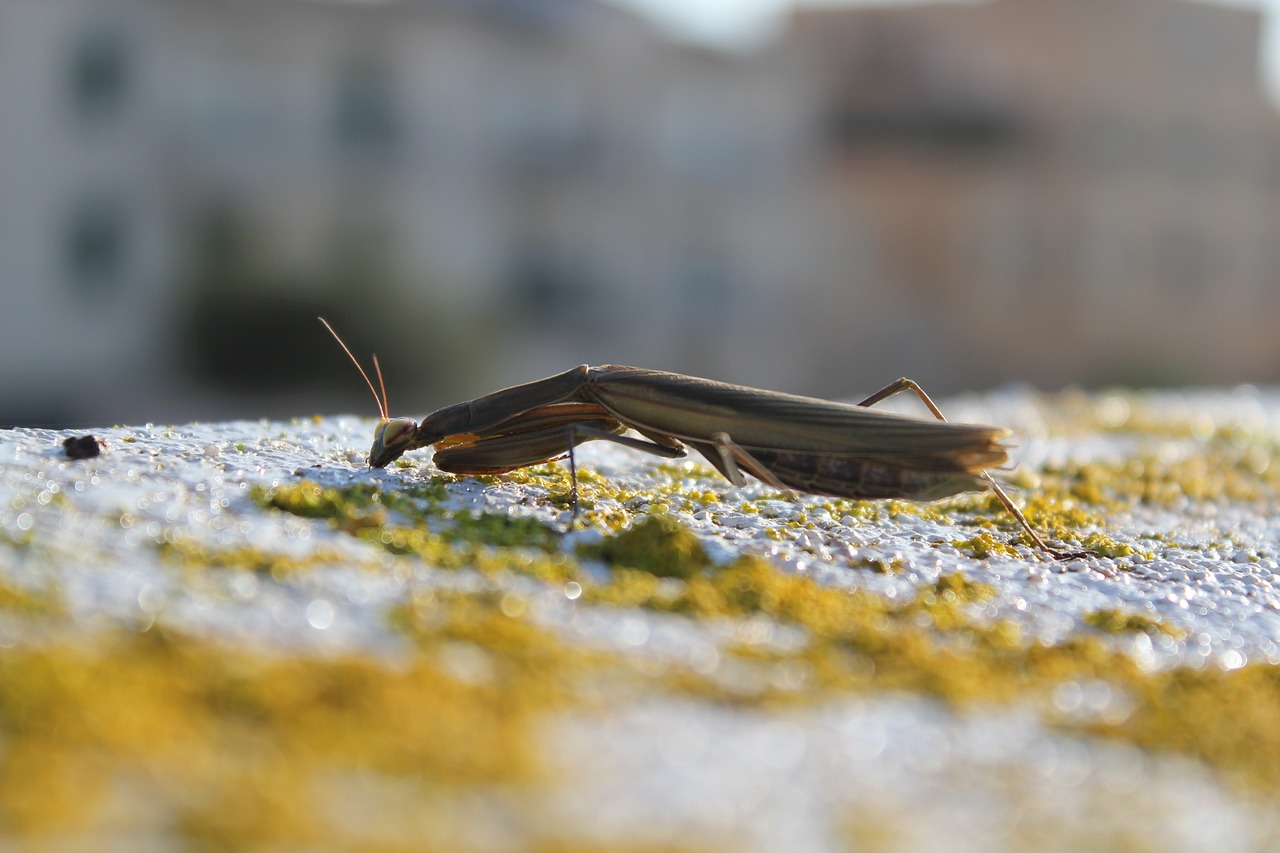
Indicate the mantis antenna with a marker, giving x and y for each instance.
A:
(383, 406)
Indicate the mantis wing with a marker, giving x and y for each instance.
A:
(694, 410)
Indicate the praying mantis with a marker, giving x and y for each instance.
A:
(792, 443)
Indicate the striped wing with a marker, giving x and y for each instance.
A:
(763, 422)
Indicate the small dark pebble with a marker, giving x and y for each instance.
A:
(81, 447)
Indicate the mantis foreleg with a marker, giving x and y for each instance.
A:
(542, 434)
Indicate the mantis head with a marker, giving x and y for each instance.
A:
(393, 436)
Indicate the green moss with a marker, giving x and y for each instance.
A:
(857, 640)
(235, 747)
(983, 545)
(1070, 510)
(959, 588)
(1218, 470)
(686, 469)
(17, 538)
(1054, 513)
(1122, 622)
(184, 722)
(229, 748)
(857, 510)
(601, 502)
(202, 555)
(939, 645)
(658, 544)
(506, 531)
(1183, 711)
(574, 846)
(441, 538)
(353, 508)
(559, 485)
(513, 650)
(24, 601)
(896, 566)
(1105, 546)
(443, 552)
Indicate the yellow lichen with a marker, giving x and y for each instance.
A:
(229, 747)
(983, 545)
(278, 565)
(937, 645)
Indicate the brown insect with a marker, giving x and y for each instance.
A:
(793, 443)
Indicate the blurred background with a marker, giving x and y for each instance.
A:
(816, 199)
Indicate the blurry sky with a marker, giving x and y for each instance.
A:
(744, 21)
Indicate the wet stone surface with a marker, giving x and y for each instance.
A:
(238, 634)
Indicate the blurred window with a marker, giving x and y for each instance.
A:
(545, 127)
(1101, 256)
(706, 284)
(537, 15)
(711, 147)
(220, 241)
(1268, 165)
(889, 53)
(1199, 45)
(1108, 140)
(367, 119)
(1184, 259)
(1253, 148)
(100, 74)
(362, 249)
(1190, 150)
(968, 125)
(1012, 252)
(548, 285)
(96, 243)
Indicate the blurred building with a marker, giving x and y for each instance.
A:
(84, 282)
(488, 191)
(1057, 190)
(484, 190)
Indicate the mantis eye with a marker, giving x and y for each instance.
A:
(391, 439)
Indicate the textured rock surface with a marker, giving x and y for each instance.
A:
(329, 633)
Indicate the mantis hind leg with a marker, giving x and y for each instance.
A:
(897, 387)
(905, 384)
(734, 457)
